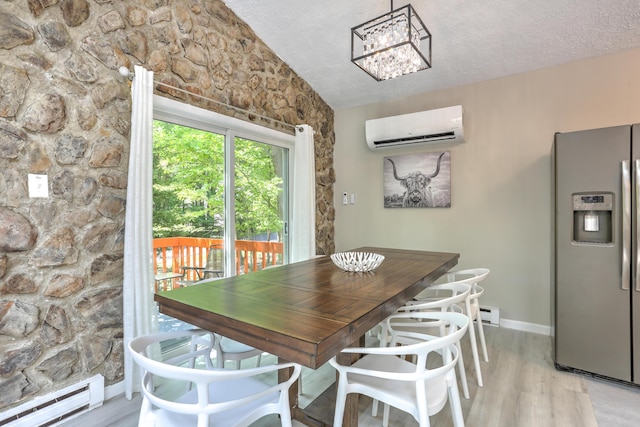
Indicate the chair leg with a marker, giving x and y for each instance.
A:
(383, 339)
(463, 373)
(341, 401)
(483, 343)
(203, 420)
(385, 416)
(423, 408)
(454, 403)
(474, 351)
(285, 417)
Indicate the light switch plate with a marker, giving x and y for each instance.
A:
(38, 185)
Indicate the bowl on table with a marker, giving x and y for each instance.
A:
(357, 261)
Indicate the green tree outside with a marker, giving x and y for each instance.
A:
(188, 184)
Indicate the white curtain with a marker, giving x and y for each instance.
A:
(303, 223)
(139, 313)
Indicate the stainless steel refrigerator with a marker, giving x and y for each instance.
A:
(596, 265)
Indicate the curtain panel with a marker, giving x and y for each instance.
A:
(303, 223)
(139, 314)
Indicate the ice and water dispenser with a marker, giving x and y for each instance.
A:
(592, 218)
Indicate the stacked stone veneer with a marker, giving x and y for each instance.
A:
(65, 113)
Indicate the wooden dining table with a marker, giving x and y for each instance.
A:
(306, 312)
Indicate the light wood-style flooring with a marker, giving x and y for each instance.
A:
(521, 388)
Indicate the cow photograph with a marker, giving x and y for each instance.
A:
(420, 180)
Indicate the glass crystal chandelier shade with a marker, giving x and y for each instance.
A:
(392, 45)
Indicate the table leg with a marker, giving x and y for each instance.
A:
(320, 412)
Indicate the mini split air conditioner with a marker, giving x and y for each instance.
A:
(425, 127)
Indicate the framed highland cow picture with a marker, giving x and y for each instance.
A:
(421, 180)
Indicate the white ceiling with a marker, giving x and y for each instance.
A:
(473, 40)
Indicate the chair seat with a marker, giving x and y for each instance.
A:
(394, 392)
(231, 390)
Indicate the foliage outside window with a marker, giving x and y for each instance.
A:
(188, 184)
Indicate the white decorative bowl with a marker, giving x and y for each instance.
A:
(357, 261)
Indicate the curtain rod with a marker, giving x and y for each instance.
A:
(124, 71)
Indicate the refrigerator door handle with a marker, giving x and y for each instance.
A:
(637, 214)
(626, 225)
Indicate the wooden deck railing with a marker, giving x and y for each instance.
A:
(173, 253)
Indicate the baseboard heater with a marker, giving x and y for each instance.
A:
(57, 407)
(490, 315)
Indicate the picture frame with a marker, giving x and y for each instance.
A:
(421, 180)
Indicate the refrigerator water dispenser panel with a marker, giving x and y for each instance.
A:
(592, 216)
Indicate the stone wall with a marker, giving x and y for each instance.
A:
(65, 113)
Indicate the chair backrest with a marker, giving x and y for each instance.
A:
(421, 344)
(231, 393)
(434, 292)
(475, 275)
(440, 297)
(200, 344)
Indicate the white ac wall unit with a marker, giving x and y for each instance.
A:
(425, 127)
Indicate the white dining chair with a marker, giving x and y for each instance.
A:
(228, 349)
(419, 389)
(218, 397)
(444, 297)
(472, 309)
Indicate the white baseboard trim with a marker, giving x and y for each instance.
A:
(114, 390)
(526, 326)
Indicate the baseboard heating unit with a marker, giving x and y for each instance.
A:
(57, 407)
(490, 315)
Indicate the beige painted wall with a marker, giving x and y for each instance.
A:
(500, 177)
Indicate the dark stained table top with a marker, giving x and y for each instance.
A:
(306, 312)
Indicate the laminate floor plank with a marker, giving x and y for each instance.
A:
(614, 404)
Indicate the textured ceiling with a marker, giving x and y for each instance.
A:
(473, 40)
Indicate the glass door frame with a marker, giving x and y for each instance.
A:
(191, 116)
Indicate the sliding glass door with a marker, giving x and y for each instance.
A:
(261, 204)
(221, 195)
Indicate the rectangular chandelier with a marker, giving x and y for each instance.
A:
(392, 45)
